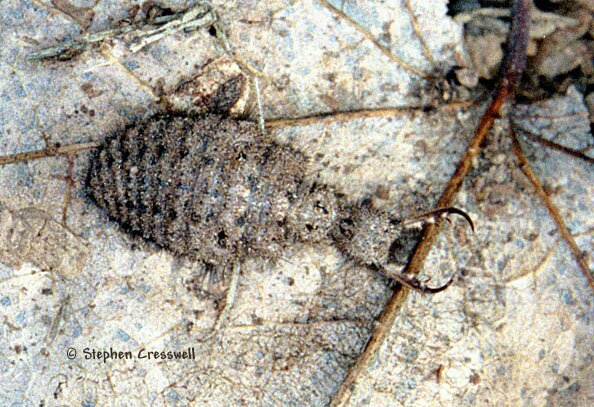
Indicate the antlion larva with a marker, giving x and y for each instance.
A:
(215, 189)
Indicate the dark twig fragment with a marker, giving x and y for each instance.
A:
(510, 74)
(45, 152)
(558, 147)
(553, 211)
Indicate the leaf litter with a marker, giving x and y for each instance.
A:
(298, 305)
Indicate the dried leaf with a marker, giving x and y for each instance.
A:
(517, 324)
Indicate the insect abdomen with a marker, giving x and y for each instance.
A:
(210, 188)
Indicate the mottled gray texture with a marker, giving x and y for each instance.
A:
(208, 187)
(517, 327)
(217, 190)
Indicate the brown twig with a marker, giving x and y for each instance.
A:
(559, 147)
(270, 125)
(69, 184)
(44, 152)
(554, 212)
(510, 73)
(417, 30)
(338, 117)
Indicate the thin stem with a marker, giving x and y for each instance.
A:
(558, 147)
(554, 212)
(45, 152)
(510, 73)
(385, 50)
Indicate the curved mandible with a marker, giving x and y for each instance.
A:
(418, 222)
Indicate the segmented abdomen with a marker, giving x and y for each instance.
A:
(209, 187)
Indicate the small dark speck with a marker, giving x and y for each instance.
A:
(570, 391)
(131, 65)
(566, 297)
(121, 335)
(330, 77)
(173, 395)
(290, 281)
